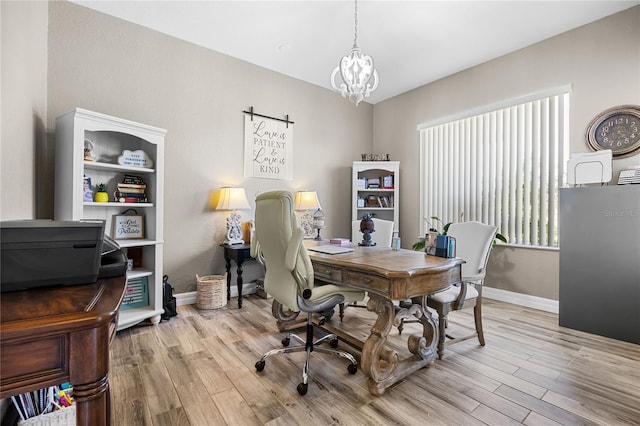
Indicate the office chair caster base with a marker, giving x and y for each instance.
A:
(352, 368)
(302, 389)
(260, 365)
(334, 343)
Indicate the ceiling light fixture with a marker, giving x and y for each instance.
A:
(358, 77)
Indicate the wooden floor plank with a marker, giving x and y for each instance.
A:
(234, 409)
(199, 369)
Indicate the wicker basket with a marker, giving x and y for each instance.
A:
(63, 417)
(212, 291)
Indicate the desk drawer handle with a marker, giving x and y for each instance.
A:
(367, 280)
(327, 272)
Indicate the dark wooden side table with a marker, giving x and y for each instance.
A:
(238, 253)
(54, 335)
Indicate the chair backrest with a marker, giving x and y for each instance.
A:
(278, 239)
(474, 241)
(383, 232)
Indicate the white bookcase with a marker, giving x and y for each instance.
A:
(382, 202)
(110, 137)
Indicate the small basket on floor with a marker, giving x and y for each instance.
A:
(212, 291)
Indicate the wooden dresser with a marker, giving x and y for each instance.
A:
(54, 335)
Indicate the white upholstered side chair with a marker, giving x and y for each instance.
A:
(383, 232)
(474, 241)
(289, 278)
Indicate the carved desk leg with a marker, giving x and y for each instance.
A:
(424, 346)
(383, 367)
(286, 319)
(377, 363)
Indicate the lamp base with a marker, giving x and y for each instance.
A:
(318, 237)
(233, 242)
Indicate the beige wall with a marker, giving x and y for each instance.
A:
(111, 66)
(602, 62)
(101, 63)
(23, 90)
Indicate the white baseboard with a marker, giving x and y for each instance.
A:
(190, 297)
(534, 302)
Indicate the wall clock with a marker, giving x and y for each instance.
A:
(617, 129)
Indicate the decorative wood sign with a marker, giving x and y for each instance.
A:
(268, 147)
(127, 226)
(137, 158)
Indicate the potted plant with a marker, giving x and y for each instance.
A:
(420, 244)
(101, 193)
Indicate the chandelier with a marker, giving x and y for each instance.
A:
(358, 78)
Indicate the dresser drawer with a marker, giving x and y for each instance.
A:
(368, 282)
(328, 273)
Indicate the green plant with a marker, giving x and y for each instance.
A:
(101, 187)
(419, 245)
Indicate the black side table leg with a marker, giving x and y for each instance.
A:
(227, 262)
(239, 283)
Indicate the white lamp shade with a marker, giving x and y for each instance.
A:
(232, 198)
(306, 200)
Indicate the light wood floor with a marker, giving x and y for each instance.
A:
(198, 369)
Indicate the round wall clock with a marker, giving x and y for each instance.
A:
(617, 129)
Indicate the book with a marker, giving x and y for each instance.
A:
(340, 241)
(132, 200)
(132, 185)
(131, 179)
(130, 194)
(132, 190)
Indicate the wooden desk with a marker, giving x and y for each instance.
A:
(388, 275)
(238, 253)
(54, 335)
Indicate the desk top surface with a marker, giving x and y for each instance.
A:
(387, 262)
(47, 304)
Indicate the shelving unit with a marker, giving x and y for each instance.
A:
(382, 202)
(110, 137)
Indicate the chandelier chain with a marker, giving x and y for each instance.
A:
(355, 25)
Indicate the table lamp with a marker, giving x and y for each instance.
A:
(306, 201)
(233, 198)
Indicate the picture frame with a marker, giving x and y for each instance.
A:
(430, 239)
(87, 190)
(128, 227)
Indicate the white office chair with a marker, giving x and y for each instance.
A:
(474, 241)
(383, 232)
(289, 278)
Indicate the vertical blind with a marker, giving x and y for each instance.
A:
(501, 167)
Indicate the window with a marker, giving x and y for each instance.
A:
(502, 166)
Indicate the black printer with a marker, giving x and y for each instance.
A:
(42, 253)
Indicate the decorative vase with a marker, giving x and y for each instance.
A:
(102, 197)
(367, 227)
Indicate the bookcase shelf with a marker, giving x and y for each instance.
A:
(112, 203)
(98, 165)
(110, 137)
(366, 172)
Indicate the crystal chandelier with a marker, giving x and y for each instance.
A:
(358, 78)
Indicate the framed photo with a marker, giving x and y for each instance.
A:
(128, 226)
(87, 190)
(430, 243)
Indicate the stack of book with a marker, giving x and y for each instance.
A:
(131, 190)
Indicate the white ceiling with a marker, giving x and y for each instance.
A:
(412, 42)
